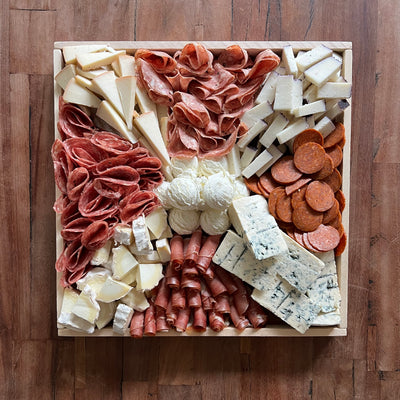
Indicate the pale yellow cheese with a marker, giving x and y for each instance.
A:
(127, 65)
(75, 93)
(126, 86)
(65, 75)
(88, 61)
(70, 52)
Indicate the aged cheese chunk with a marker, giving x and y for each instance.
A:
(130, 277)
(150, 258)
(115, 67)
(113, 290)
(248, 156)
(311, 108)
(65, 75)
(233, 158)
(86, 307)
(259, 162)
(251, 219)
(126, 65)
(157, 222)
(86, 83)
(122, 262)
(88, 61)
(310, 95)
(164, 250)
(136, 300)
(107, 311)
(140, 232)
(95, 279)
(260, 111)
(336, 109)
(267, 92)
(276, 154)
(123, 234)
(101, 256)
(289, 93)
(126, 86)
(148, 276)
(292, 130)
(334, 90)
(70, 52)
(321, 72)
(122, 319)
(289, 61)
(258, 127)
(325, 126)
(278, 124)
(309, 58)
(75, 93)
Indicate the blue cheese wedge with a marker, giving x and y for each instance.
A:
(251, 219)
(229, 251)
(327, 319)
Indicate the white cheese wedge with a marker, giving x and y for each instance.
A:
(127, 88)
(289, 93)
(144, 102)
(334, 90)
(85, 83)
(278, 124)
(122, 262)
(233, 158)
(65, 75)
(162, 111)
(107, 86)
(325, 126)
(113, 290)
(267, 92)
(309, 58)
(122, 319)
(107, 311)
(123, 234)
(260, 111)
(91, 74)
(251, 219)
(69, 320)
(107, 113)
(249, 154)
(95, 279)
(148, 126)
(252, 133)
(259, 162)
(276, 154)
(130, 277)
(127, 65)
(86, 307)
(151, 258)
(157, 222)
(164, 250)
(101, 256)
(148, 276)
(292, 130)
(70, 52)
(90, 61)
(116, 68)
(289, 61)
(311, 108)
(321, 72)
(75, 93)
(141, 234)
(136, 300)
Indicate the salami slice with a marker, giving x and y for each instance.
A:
(334, 180)
(194, 60)
(342, 245)
(284, 208)
(234, 58)
(324, 238)
(305, 218)
(95, 235)
(285, 172)
(273, 199)
(339, 195)
(297, 185)
(142, 202)
(74, 229)
(332, 213)
(111, 143)
(268, 182)
(76, 182)
(319, 196)
(252, 184)
(309, 158)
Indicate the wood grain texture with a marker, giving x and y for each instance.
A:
(35, 363)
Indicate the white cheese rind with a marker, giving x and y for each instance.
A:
(122, 319)
(107, 311)
(86, 307)
(309, 58)
(142, 238)
(123, 234)
(292, 130)
(321, 72)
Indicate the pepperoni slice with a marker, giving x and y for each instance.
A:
(326, 169)
(285, 172)
(284, 208)
(308, 135)
(262, 190)
(342, 245)
(305, 218)
(335, 137)
(296, 186)
(307, 243)
(339, 195)
(251, 184)
(298, 196)
(268, 182)
(324, 238)
(332, 213)
(319, 196)
(273, 198)
(309, 158)
(334, 180)
(336, 154)
(298, 236)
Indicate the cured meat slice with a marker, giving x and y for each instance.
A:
(284, 208)
(243, 97)
(324, 238)
(179, 82)
(111, 143)
(96, 235)
(182, 320)
(256, 314)
(298, 196)
(76, 182)
(240, 297)
(334, 180)
(63, 165)
(74, 229)
(239, 320)
(189, 282)
(336, 154)
(234, 58)
(141, 202)
(226, 278)
(326, 169)
(268, 182)
(177, 254)
(216, 147)
(162, 62)
(163, 294)
(60, 204)
(222, 304)
(150, 327)
(216, 287)
(342, 245)
(251, 184)
(193, 249)
(137, 324)
(308, 135)
(335, 137)
(69, 213)
(309, 158)
(207, 299)
(157, 86)
(161, 320)
(339, 195)
(173, 277)
(319, 196)
(216, 320)
(332, 213)
(183, 142)
(178, 298)
(171, 314)
(273, 198)
(189, 110)
(207, 252)
(194, 60)
(193, 298)
(296, 186)
(305, 218)
(199, 319)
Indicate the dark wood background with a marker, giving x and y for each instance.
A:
(35, 364)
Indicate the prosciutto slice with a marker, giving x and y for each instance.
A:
(256, 314)
(240, 321)
(162, 62)
(150, 327)
(178, 298)
(193, 298)
(216, 320)
(194, 60)
(161, 320)
(163, 294)
(137, 324)
(207, 252)
(222, 304)
(182, 320)
(199, 319)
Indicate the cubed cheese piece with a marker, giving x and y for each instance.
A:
(249, 154)
(101, 256)
(267, 92)
(289, 93)
(126, 65)
(75, 93)
(141, 234)
(70, 52)
(157, 222)
(233, 158)
(86, 307)
(122, 262)
(107, 311)
(311, 108)
(292, 130)
(276, 154)
(310, 95)
(334, 90)
(69, 320)
(148, 126)
(144, 102)
(95, 279)
(106, 112)
(325, 126)
(150, 258)
(65, 75)
(136, 300)
(90, 61)
(255, 130)
(127, 88)
(289, 61)
(259, 162)
(309, 58)
(260, 111)
(148, 276)
(123, 234)
(113, 290)
(122, 319)
(251, 219)
(164, 250)
(321, 72)
(278, 124)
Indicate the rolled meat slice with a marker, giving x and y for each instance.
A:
(222, 304)
(77, 179)
(199, 319)
(216, 320)
(150, 327)
(216, 287)
(63, 165)
(96, 235)
(234, 58)
(163, 294)
(206, 298)
(171, 314)
(173, 277)
(137, 324)
(189, 282)
(161, 320)
(207, 252)
(182, 320)
(240, 321)
(256, 314)
(177, 252)
(192, 252)
(194, 60)
(161, 62)
(178, 298)
(193, 298)
(240, 297)
(189, 110)
(226, 278)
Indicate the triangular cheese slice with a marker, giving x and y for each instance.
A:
(89, 61)
(70, 52)
(127, 65)
(75, 93)
(126, 86)
(145, 104)
(65, 75)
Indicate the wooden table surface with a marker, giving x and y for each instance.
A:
(36, 364)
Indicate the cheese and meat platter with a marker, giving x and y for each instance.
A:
(202, 189)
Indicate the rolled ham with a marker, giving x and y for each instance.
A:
(163, 294)
(150, 327)
(137, 325)
(199, 319)
(207, 252)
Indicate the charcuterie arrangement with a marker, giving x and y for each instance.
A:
(199, 190)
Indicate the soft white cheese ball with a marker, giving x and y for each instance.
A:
(184, 222)
(214, 222)
(185, 166)
(218, 192)
(162, 194)
(184, 193)
(208, 167)
(240, 189)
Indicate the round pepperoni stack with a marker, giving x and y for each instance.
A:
(303, 191)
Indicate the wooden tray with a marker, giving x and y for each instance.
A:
(343, 48)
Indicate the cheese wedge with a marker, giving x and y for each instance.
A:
(144, 102)
(86, 83)
(88, 61)
(115, 67)
(75, 93)
(86, 306)
(107, 311)
(126, 65)
(102, 255)
(148, 276)
(148, 126)
(233, 158)
(289, 93)
(325, 126)
(321, 72)
(136, 300)
(278, 124)
(248, 156)
(164, 250)
(70, 52)
(292, 130)
(309, 58)
(122, 319)
(157, 222)
(95, 279)
(65, 75)
(255, 130)
(126, 86)
(93, 73)
(150, 258)
(113, 290)
(257, 164)
(276, 153)
(122, 262)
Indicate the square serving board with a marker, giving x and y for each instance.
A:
(283, 330)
